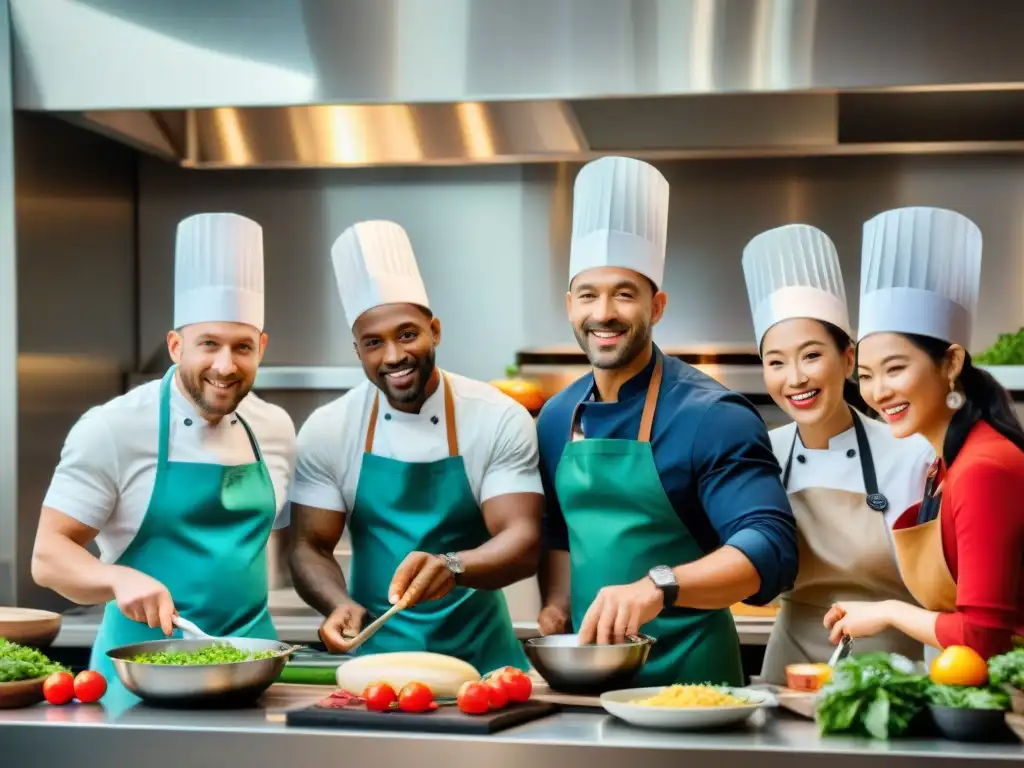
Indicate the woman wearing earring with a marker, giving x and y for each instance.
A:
(846, 475)
(961, 550)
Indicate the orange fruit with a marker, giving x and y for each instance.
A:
(959, 665)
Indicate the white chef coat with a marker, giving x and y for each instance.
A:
(107, 467)
(497, 440)
(900, 464)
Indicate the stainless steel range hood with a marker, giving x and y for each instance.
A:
(326, 83)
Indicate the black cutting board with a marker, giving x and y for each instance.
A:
(446, 719)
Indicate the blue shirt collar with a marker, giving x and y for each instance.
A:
(632, 388)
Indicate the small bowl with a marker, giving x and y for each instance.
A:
(959, 724)
(569, 667)
(23, 693)
(29, 626)
(807, 678)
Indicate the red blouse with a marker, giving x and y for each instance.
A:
(983, 541)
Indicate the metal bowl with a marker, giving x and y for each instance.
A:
(235, 684)
(572, 668)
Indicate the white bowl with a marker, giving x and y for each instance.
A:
(617, 703)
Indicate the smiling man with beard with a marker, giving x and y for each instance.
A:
(180, 481)
(664, 500)
(435, 474)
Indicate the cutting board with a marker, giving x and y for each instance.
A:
(799, 702)
(542, 692)
(446, 719)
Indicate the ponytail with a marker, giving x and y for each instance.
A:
(985, 400)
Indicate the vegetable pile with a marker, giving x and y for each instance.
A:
(872, 694)
(219, 653)
(1008, 669)
(1008, 349)
(880, 694)
(19, 662)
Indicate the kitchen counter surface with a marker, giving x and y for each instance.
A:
(91, 736)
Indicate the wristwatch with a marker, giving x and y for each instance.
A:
(454, 564)
(664, 578)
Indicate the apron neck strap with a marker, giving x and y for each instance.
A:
(650, 403)
(449, 419)
(165, 416)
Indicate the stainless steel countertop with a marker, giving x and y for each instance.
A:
(92, 736)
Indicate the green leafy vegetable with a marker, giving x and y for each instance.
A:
(19, 662)
(219, 653)
(1008, 349)
(872, 694)
(1007, 668)
(965, 697)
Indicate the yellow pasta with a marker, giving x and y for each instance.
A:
(691, 696)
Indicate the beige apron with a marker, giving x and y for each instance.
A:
(922, 562)
(846, 553)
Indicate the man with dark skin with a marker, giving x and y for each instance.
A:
(664, 500)
(436, 474)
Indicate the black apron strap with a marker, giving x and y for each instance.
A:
(875, 499)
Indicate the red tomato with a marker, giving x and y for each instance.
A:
(517, 685)
(59, 688)
(379, 697)
(498, 694)
(474, 698)
(90, 686)
(415, 697)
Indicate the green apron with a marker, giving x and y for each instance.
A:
(403, 507)
(621, 524)
(204, 537)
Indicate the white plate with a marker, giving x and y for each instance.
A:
(617, 703)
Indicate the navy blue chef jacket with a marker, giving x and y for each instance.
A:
(713, 455)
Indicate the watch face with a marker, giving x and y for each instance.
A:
(663, 577)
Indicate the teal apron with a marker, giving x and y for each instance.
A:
(621, 524)
(204, 537)
(402, 507)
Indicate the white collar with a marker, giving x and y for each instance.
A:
(432, 411)
(841, 442)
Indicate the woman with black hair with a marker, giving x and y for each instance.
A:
(961, 550)
(846, 475)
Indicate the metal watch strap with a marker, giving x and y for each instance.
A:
(454, 563)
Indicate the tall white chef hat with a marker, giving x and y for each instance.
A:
(374, 264)
(218, 270)
(920, 274)
(793, 271)
(619, 218)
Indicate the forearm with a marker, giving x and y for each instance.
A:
(510, 555)
(70, 570)
(913, 622)
(317, 577)
(554, 576)
(718, 580)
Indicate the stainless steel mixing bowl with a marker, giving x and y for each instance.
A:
(238, 684)
(572, 668)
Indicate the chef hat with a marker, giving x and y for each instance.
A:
(218, 270)
(793, 271)
(374, 264)
(619, 218)
(920, 274)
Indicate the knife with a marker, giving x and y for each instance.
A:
(842, 651)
